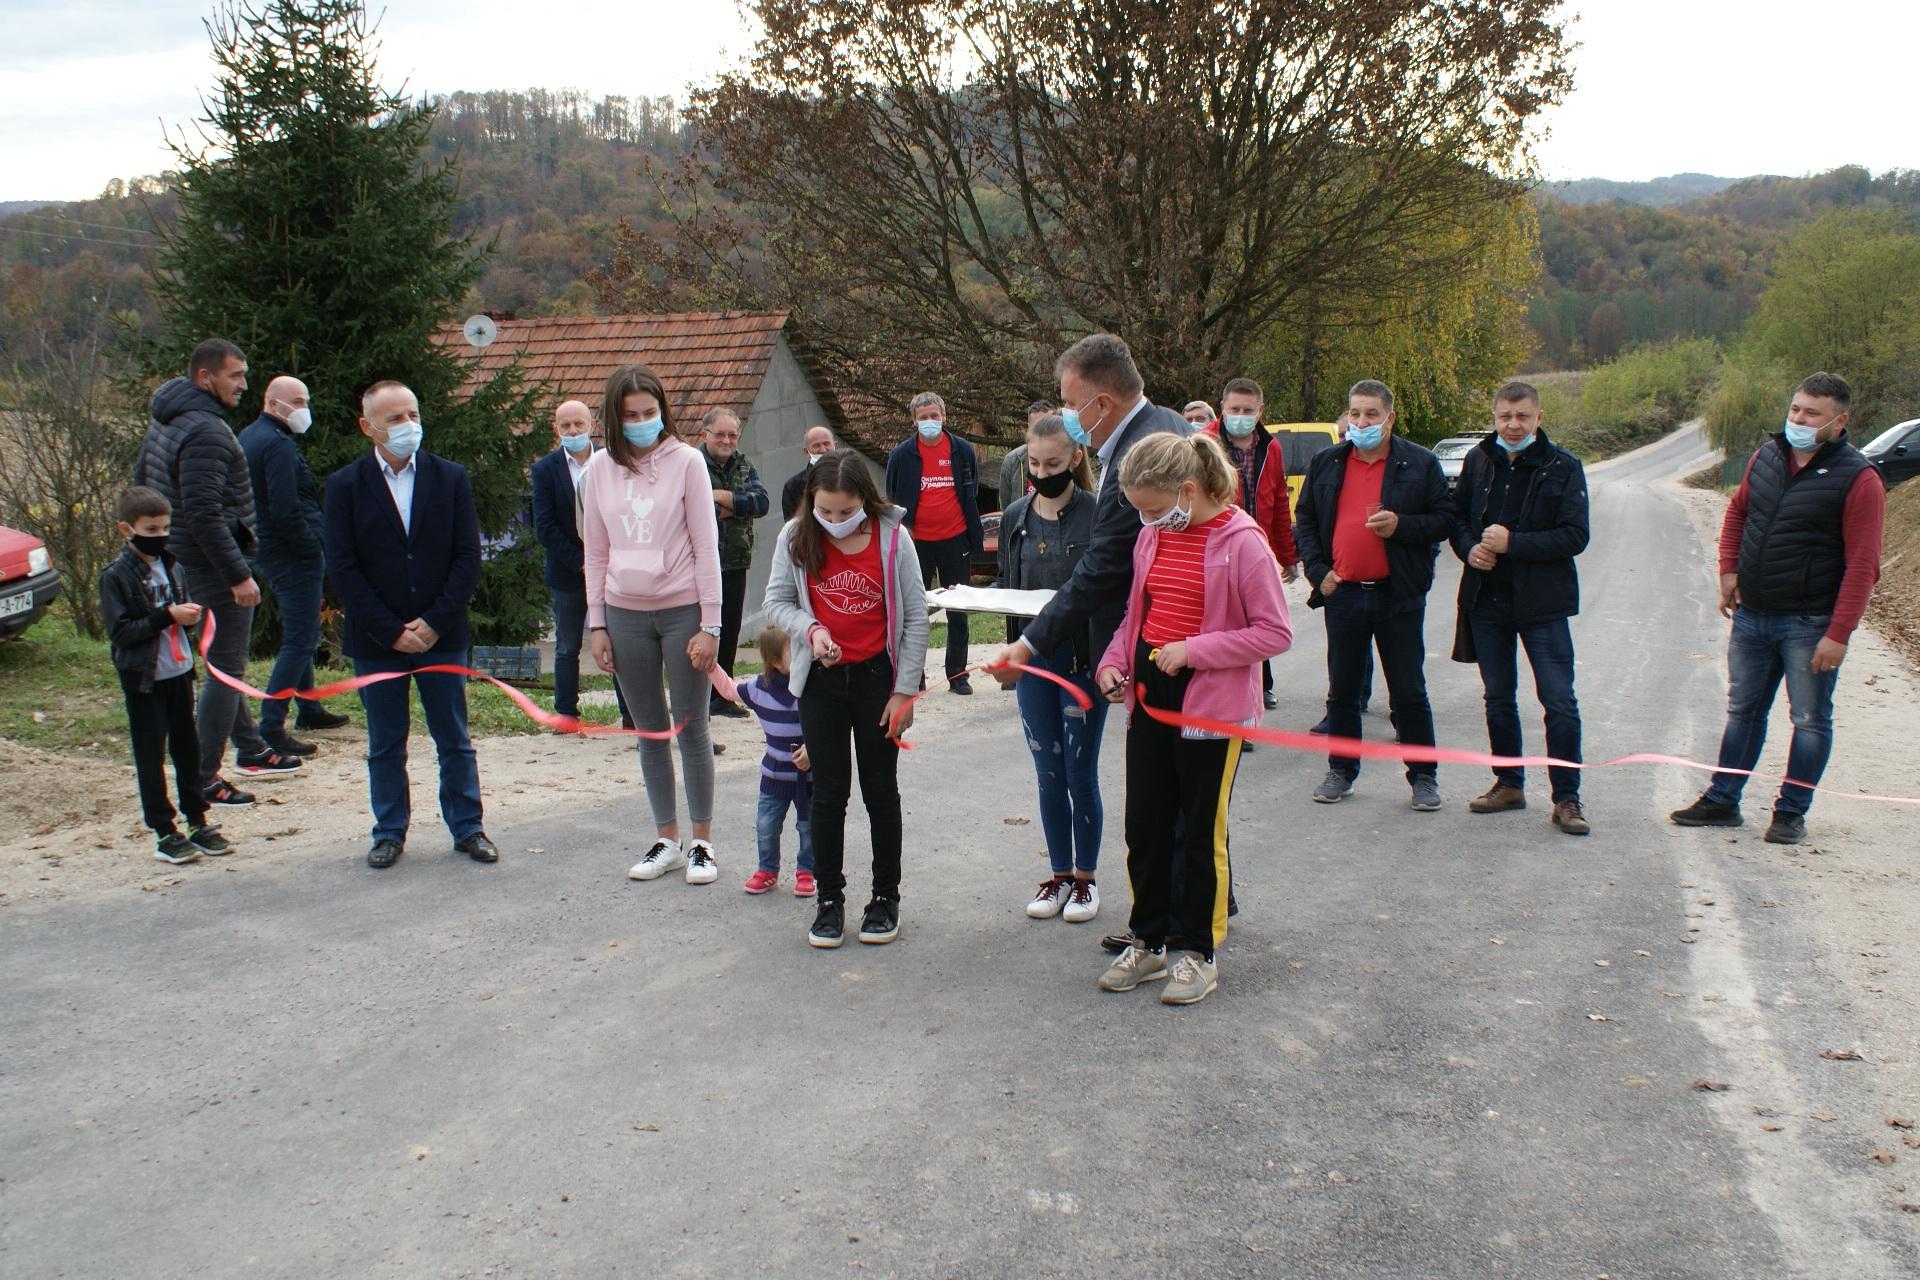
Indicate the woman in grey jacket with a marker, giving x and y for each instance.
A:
(845, 585)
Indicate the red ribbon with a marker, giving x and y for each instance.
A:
(1079, 694)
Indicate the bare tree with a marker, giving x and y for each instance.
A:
(971, 184)
(66, 448)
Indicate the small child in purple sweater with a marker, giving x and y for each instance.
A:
(784, 772)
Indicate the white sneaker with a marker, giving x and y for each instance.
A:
(1083, 902)
(1053, 893)
(701, 868)
(663, 857)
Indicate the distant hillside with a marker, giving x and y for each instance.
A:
(23, 206)
(1657, 193)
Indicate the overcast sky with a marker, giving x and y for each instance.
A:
(1662, 86)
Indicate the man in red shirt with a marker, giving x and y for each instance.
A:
(1372, 515)
(1799, 554)
(935, 475)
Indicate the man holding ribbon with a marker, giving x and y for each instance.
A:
(1519, 519)
(1799, 554)
(403, 544)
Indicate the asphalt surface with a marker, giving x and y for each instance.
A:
(540, 1068)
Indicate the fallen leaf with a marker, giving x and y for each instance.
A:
(1771, 1128)
(1706, 902)
(1643, 953)
(1899, 1122)
(1598, 1017)
(537, 851)
(1884, 1157)
(1910, 1208)
(1016, 822)
(419, 1153)
(1824, 1117)
(1689, 939)
(1711, 1086)
(647, 1128)
(1840, 1055)
(1336, 1177)
(1498, 942)
(1603, 964)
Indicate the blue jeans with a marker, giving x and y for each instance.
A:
(569, 631)
(768, 823)
(297, 587)
(1550, 653)
(1065, 742)
(1764, 649)
(443, 700)
(1359, 620)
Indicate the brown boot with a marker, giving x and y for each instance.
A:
(1499, 799)
(1571, 818)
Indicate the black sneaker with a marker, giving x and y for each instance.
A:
(731, 710)
(1322, 729)
(175, 849)
(881, 923)
(384, 853)
(315, 721)
(1269, 700)
(284, 743)
(1701, 813)
(960, 684)
(1117, 942)
(266, 763)
(209, 840)
(1786, 828)
(829, 925)
(227, 796)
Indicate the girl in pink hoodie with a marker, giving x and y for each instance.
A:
(1205, 610)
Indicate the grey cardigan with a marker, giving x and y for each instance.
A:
(789, 606)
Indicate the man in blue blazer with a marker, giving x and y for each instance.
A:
(403, 545)
(556, 479)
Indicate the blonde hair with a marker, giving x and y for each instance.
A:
(1164, 462)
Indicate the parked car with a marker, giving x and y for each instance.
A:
(1299, 442)
(1453, 452)
(28, 581)
(1896, 451)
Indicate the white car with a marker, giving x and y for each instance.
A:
(1453, 452)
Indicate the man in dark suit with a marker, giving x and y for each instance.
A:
(556, 479)
(816, 444)
(1373, 512)
(403, 545)
(1107, 411)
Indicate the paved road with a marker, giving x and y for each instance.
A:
(542, 1069)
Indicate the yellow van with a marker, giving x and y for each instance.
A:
(1299, 442)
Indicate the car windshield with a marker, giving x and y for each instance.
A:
(1452, 448)
(1891, 436)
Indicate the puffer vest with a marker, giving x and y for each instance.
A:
(1792, 554)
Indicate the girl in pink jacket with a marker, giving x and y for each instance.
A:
(1205, 610)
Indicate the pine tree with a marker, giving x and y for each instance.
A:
(311, 232)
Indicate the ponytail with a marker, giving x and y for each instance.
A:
(1164, 461)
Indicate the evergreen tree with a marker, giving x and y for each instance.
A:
(311, 233)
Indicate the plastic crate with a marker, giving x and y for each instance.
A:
(504, 662)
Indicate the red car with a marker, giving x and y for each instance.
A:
(28, 581)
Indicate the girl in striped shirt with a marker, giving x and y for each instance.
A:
(1205, 610)
(785, 773)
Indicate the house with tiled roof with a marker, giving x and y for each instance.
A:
(746, 361)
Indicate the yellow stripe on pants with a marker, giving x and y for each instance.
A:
(1222, 876)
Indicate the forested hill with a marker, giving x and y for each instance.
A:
(545, 177)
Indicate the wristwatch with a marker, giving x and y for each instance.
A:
(712, 631)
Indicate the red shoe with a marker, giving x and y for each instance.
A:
(761, 881)
(803, 884)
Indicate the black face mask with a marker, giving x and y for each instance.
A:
(149, 545)
(1051, 486)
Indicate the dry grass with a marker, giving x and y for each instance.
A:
(1896, 600)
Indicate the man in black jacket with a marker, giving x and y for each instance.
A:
(739, 499)
(816, 444)
(1519, 519)
(935, 476)
(1107, 410)
(191, 457)
(292, 558)
(1373, 512)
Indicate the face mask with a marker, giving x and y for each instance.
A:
(576, 444)
(1051, 486)
(644, 434)
(1520, 447)
(929, 429)
(1239, 424)
(1176, 519)
(149, 545)
(1804, 438)
(814, 457)
(299, 420)
(1078, 433)
(840, 528)
(1365, 438)
(403, 438)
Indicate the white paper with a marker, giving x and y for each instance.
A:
(1018, 604)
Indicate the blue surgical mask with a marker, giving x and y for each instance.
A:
(1520, 447)
(1365, 438)
(576, 444)
(403, 439)
(929, 429)
(1239, 425)
(1070, 418)
(644, 434)
(1802, 438)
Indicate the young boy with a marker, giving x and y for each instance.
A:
(143, 602)
(784, 772)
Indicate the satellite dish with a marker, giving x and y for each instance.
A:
(480, 331)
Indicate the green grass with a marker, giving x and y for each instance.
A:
(982, 628)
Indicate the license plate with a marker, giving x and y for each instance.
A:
(22, 603)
